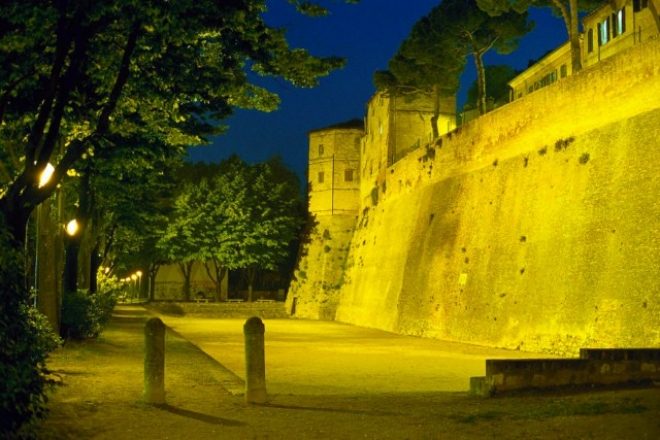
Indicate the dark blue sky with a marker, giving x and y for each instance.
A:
(367, 35)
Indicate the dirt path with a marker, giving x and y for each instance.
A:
(100, 398)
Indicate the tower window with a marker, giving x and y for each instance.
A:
(321, 150)
(321, 176)
(348, 175)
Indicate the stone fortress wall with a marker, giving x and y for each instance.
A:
(534, 227)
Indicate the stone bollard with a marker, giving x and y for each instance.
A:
(154, 361)
(255, 363)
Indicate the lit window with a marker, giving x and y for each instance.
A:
(619, 22)
(604, 31)
(321, 150)
(321, 176)
(348, 175)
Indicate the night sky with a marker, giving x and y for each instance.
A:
(367, 35)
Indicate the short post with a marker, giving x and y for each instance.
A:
(255, 361)
(154, 361)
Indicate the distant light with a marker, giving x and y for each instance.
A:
(138, 273)
(46, 174)
(72, 227)
(134, 277)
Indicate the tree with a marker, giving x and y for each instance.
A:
(273, 218)
(566, 9)
(243, 217)
(434, 54)
(77, 77)
(497, 84)
(477, 32)
(426, 63)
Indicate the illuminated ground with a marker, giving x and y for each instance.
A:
(100, 394)
(316, 357)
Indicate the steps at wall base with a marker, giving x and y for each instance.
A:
(594, 368)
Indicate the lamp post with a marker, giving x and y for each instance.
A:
(133, 277)
(45, 176)
(71, 263)
(139, 283)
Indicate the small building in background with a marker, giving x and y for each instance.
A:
(169, 284)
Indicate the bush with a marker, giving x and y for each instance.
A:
(25, 340)
(168, 308)
(84, 315)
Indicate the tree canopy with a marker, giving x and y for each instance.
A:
(86, 75)
(497, 85)
(244, 217)
(568, 10)
(83, 78)
(434, 55)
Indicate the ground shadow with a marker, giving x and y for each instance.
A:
(213, 420)
(333, 410)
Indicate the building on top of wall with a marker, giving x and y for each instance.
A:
(617, 25)
(397, 125)
(556, 65)
(333, 178)
(608, 29)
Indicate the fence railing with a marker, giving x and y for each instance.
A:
(423, 141)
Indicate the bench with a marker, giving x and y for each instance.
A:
(234, 300)
(201, 300)
(265, 300)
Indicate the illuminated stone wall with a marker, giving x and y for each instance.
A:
(533, 227)
(315, 289)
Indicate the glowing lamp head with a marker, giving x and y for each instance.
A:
(72, 227)
(46, 174)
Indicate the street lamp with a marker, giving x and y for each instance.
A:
(139, 283)
(44, 177)
(134, 278)
(71, 264)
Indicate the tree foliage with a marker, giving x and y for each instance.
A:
(80, 78)
(434, 55)
(427, 63)
(497, 85)
(476, 33)
(568, 10)
(244, 217)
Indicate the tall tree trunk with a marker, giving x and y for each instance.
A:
(574, 36)
(49, 266)
(153, 272)
(436, 112)
(217, 275)
(251, 275)
(571, 21)
(186, 270)
(481, 82)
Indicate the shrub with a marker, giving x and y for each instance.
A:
(25, 340)
(84, 314)
(168, 308)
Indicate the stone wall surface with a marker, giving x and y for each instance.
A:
(534, 227)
